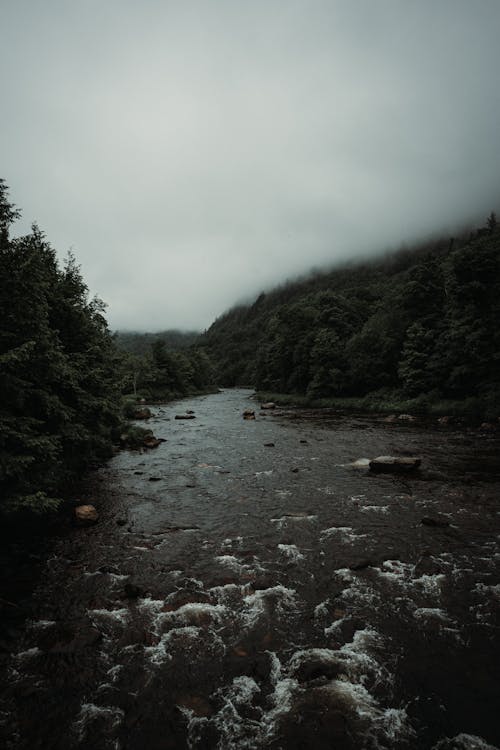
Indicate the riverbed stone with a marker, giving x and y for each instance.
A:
(86, 515)
(397, 464)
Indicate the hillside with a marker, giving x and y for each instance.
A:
(421, 324)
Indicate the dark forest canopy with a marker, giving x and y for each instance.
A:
(420, 324)
(60, 394)
(140, 343)
(62, 377)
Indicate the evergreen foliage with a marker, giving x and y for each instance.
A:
(422, 324)
(60, 397)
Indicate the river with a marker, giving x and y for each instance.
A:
(246, 588)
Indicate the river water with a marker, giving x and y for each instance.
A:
(242, 595)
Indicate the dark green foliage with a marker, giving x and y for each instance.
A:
(163, 374)
(60, 401)
(420, 325)
(140, 343)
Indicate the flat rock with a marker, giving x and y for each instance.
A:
(397, 464)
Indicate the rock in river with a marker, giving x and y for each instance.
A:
(86, 515)
(399, 464)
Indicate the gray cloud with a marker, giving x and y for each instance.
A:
(192, 153)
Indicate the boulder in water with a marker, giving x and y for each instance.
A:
(268, 405)
(143, 413)
(248, 414)
(86, 515)
(396, 464)
(437, 521)
(185, 416)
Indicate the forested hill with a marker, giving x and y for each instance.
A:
(140, 343)
(421, 325)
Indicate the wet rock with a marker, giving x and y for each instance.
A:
(391, 418)
(436, 521)
(155, 479)
(362, 564)
(150, 441)
(302, 441)
(143, 413)
(268, 405)
(487, 427)
(407, 418)
(185, 416)
(444, 420)
(268, 445)
(121, 521)
(86, 515)
(132, 591)
(248, 414)
(139, 473)
(189, 411)
(199, 705)
(108, 569)
(313, 668)
(295, 470)
(399, 464)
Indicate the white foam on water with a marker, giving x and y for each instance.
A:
(90, 713)
(229, 543)
(463, 742)
(482, 588)
(396, 571)
(158, 653)
(28, 654)
(345, 533)
(332, 629)
(359, 668)
(283, 493)
(258, 603)
(232, 562)
(374, 509)
(38, 624)
(229, 561)
(263, 473)
(360, 593)
(120, 616)
(431, 585)
(321, 610)
(193, 613)
(291, 551)
(114, 672)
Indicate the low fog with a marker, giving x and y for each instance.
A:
(190, 154)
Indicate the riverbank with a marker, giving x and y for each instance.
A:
(471, 411)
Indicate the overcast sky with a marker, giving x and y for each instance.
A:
(191, 153)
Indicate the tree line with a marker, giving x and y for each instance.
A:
(62, 376)
(419, 327)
